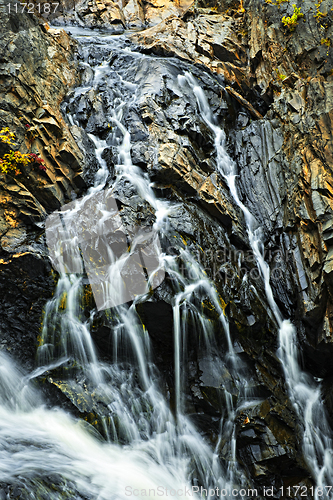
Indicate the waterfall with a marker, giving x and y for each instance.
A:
(304, 392)
(141, 443)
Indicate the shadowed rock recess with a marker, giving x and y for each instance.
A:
(271, 89)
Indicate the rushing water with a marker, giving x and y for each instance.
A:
(142, 442)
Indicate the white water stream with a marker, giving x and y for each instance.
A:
(142, 447)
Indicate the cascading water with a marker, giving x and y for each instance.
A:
(304, 392)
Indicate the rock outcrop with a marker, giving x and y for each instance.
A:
(285, 162)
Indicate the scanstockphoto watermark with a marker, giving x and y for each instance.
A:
(227, 264)
(194, 491)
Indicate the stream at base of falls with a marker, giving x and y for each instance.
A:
(141, 440)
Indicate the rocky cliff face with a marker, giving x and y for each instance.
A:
(271, 88)
(115, 16)
(284, 160)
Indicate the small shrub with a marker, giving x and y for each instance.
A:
(11, 162)
(292, 22)
(36, 159)
(7, 136)
(319, 15)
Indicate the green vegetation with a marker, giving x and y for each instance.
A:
(325, 41)
(319, 15)
(7, 136)
(292, 22)
(277, 2)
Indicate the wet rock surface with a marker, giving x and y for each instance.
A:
(291, 72)
(284, 162)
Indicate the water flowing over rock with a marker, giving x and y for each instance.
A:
(145, 114)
